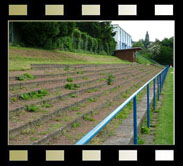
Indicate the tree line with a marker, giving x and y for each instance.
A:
(93, 37)
(160, 51)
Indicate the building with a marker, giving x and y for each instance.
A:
(123, 39)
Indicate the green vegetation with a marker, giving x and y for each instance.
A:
(32, 108)
(38, 94)
(76, 108)
(69, 79)
(26, 76)
(21, 58)
(110, 79)
(73, 95)
(88, 117)
(14, 99)
(92, 99)
(94, 37)
(46, 105)
(164, 129)
(142, 60)
(157, 52)
(76, 86)
(71, 86)
(75, 124)
(92, 90)
(67, 68)
(140, 140)
(68, 86)
(145, 130)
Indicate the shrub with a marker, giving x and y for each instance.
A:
(73, 95)
(76, 86)
(87, 117)
(24, 96)
(26, 76)
(110, 79)
(145, 130)
(32, 108)
(74, 125)
(37, 94)
(46, 105)
(67, 68)
(76, 38)
(68, 86)
(69, 79)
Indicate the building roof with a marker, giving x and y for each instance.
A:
(129, 49)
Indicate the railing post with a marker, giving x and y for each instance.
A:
(160, 83)
(158, 78)
(154, 89)
(148, 111)
(135, 119)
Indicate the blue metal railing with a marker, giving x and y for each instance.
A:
(160, 80)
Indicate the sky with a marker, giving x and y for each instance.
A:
(156, 29)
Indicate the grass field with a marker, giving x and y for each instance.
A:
(164, 130)
(20, 58)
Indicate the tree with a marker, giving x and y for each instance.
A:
(155, 50)
(40, 34)
(146, 41)
(139, 44)
(164, 54)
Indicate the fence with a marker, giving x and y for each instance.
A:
(160, 77)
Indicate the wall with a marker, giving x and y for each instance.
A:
(128, 55)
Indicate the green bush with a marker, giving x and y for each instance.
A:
(32, 108)
(38, 94)
(68, 86)
(90, 43)
(69, 79)
(76, 38)
(110, 79)
(76, 124)
(26, 76)
(87, 117)
(145, 130)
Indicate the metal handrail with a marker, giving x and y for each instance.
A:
(160, 80)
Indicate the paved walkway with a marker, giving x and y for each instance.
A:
(124, 133)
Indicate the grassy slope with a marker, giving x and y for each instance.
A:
(164, 130)
(21, 58)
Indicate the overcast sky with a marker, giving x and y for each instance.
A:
(156, 29)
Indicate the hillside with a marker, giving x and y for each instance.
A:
(20, 58)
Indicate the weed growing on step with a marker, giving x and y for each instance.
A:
(75, 125)
(68, 86)
(76, 86)
(140, 140)
(88, 117)
(73, 95)
(70, 79)
(90, 99)
(92, 90)
(67, 68)
(80, 72)
(38, 94)
(28, 131)
(145, 130)
(14, 99)
(26, 76)
(110, 79)
(76, 108)
(33, 138)
(85, 78)
(71, 86)
(46, 105)
(124, 95)
(32, 108)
